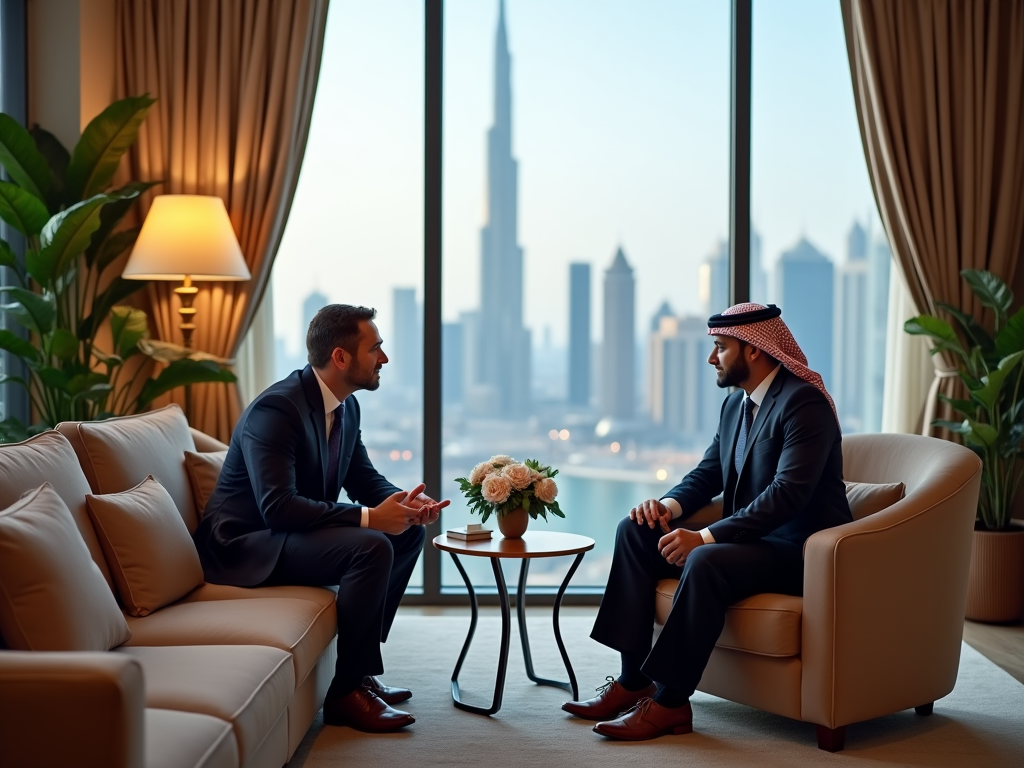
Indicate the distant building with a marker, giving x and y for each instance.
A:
(876, 316)
(804, 279)
(682, 390)
(452, 356)
(850, 343)
(312, 304)
(618, 349)
(579, 334)
(758, 275)
(407, 346)
(714, 280)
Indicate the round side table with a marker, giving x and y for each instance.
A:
(533, 544)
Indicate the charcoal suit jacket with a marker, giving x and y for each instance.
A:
(274, 482)
(790, 482)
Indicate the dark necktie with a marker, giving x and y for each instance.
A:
(741, 441)
(334, 448)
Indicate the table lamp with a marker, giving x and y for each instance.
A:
(186, 237)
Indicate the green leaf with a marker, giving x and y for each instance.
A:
(108, 359)
(95, 393)
(118, 290)
(991, 291)
(127, 325)
(24, 164)
(11, 342)
(104, 141)
(966, 407)
(57, 158)
(970, 326)
(939, 331)
(1010, 338)
(992, 384)
(83, 381)
(63, 344)
(114, 212)
(180, 373)
(957, 427)
(65, 236)
(7, 256)
(12, 431)
(33, 311)
(112, 247)
(53, 378)
(22, 210)
(981, 433)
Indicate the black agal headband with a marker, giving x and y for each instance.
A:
(744, 318)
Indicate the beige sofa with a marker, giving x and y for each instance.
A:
(880, 623)
(223, 676)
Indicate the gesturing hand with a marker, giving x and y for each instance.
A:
(393, 515)
(652, 512)
(428, 509)
(676, 546)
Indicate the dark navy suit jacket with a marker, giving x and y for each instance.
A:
(274, 482)
(790, 482)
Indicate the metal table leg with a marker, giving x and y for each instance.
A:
(506, 620)
(570, 686)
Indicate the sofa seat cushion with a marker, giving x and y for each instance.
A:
(301, 627)
(320, 595)
(767, 624)
(248, 686)
(188, 740)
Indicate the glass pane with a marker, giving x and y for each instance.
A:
(826, 256)
(355, 233)
(586, 171)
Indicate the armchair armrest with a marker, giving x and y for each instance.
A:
(705, 516)
(205, 443)
(81, 709)
(883, 605)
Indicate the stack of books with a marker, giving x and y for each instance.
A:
(471, 532)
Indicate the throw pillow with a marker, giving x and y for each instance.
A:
(203, 472)
(149, 550)
(867, 498)
(52, 595)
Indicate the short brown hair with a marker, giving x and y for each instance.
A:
(336, 325)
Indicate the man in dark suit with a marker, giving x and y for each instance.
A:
(777, 459)
(275, 517)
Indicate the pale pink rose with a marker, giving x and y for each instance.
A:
(518, 474)
(496, 489)
(545, 490)
(480, 471)
(501, 460)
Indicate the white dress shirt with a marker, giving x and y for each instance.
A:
(331, 404)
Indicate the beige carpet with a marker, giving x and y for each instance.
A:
(981, 723)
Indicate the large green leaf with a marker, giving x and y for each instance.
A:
(23, 348)
(939, 331)
(980, 434)
(57, 158)
(12, 431)
(114, 246)
(32, 310)
(65, 237)
(63, 344)
(127, 326)
(53, 378)
(7, 257)
(83, 381)
(966, 407)
(118, 290)
(104, 141)
(22, 210)
(1010, 338)
(24, 164)
(181, 373)
(992, 384)
(991, 291)
(112, 214)
(972, 329)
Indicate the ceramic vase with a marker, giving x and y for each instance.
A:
(513, 524)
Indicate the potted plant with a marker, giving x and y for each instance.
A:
(990, 364)
(62, 295)
(513, 491)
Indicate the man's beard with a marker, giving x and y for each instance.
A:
(734, 375)
(363, 378)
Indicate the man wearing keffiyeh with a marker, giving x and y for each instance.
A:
(777, 461)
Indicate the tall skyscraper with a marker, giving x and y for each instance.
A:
(452, 360)
(805, 287)
(683, 394)
(407, 345)
(505, 348)
(579, 334)
(312, 304)
(714, 279)
(850, 344)
(758, 275)
(618, 348)
(876, 316)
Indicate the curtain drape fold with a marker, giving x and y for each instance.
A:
(939, 97)
(234, 82)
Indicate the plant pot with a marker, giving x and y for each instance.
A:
(995, 586)
(513, 524)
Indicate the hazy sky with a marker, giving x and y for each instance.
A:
(620, 127)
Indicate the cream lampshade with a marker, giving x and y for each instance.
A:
(187, 238)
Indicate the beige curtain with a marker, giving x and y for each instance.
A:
(938, 90)
(234, 82)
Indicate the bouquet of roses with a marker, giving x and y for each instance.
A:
(502, 485)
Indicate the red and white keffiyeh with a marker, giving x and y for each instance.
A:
(763, 327)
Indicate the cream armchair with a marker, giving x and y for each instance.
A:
(880, 623)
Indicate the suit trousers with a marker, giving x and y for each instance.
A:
(713, 577)
(371, 569)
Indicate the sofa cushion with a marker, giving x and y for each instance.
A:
(188, 740)
(868, 498)
(301, 627)
(323, 596)
(150, 553)
(49, 458)
(766, 624)
(118, 453)
(248, 686)
(203, 473)
(52, 595)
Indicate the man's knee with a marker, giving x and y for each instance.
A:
(632, 534)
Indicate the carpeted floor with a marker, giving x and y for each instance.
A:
(981, 723)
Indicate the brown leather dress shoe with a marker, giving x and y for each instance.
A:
(648, 720)
(365, 711)
(388, 693)
(612, 699)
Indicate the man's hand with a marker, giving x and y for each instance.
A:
(393, 515)
(676, 546)
(429, 510)
(652, 512)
